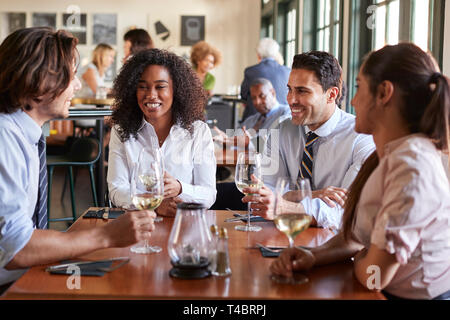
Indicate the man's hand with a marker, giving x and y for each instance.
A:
(168, 207)
(263, 201)
(331, 196)
(221, 136)
(172, 187)
(129, 228)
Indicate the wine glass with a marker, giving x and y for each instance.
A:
(248, 175)
(147, 188)
(290, 217)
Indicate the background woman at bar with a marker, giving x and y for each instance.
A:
(204, 58)
(397, 217)
(94, 73)
(159, 99)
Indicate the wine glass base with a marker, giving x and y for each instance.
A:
(247, 228)
(298, 278)
(145, 249)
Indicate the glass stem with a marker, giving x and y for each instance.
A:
(249, 213)
(146, 244)
(291, 242)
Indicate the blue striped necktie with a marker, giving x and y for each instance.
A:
(308, 157)
(40, 212)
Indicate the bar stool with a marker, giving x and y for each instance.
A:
(84, 152)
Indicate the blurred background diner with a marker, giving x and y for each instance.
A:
(204, 58)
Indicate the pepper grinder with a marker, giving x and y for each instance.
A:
(222, 258)
(213, 250)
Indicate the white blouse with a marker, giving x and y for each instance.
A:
(188, 158)
(404, 209)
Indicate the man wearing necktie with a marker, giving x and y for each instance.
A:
(318, 142)
(270, 113)
(37, 83)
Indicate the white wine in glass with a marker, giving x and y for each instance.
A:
(290, 216)
(248, 175)
(147, 188)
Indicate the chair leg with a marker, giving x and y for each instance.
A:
(49, 191)
(64, 187)
(94, 191)
(72, 194)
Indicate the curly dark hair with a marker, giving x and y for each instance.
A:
(189, 98)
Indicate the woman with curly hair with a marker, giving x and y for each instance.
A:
(204, 58)
(159, 101)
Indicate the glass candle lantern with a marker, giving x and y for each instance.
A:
(190, 242)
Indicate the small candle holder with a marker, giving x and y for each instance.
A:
(190, 270)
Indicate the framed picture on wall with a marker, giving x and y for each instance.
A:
(192, 30)
(105, 28)
(10, 22)
(76, 24)
(44, 20)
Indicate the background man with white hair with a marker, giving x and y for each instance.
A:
(268, 68)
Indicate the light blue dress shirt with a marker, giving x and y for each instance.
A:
(19, 178)
(338, 155)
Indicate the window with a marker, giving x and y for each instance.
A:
(324, 31)
(376, 23)
(287, 29)
(328, 26)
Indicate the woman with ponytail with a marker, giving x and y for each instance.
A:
(397, 216)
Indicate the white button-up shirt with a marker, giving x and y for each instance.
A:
(338, 155)
(188, 158)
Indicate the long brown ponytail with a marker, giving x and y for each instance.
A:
(426, 105)
(355, 192)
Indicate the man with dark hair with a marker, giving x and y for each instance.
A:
(37, 83)
(318, 142)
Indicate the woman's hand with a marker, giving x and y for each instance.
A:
(291, 260)
(172, 187)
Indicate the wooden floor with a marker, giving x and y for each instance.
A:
(83, 197)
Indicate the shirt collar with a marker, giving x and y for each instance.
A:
(271, 111)
(328, 127)
(31, 130)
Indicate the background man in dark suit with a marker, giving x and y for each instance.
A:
(268, 68)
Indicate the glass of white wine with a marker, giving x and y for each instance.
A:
(147, 188)
(290, 217)
(248, 175)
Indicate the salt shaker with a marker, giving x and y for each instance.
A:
(223, 259)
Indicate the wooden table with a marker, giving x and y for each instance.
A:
(147, 276)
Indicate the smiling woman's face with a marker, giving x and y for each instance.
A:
(155, 93)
